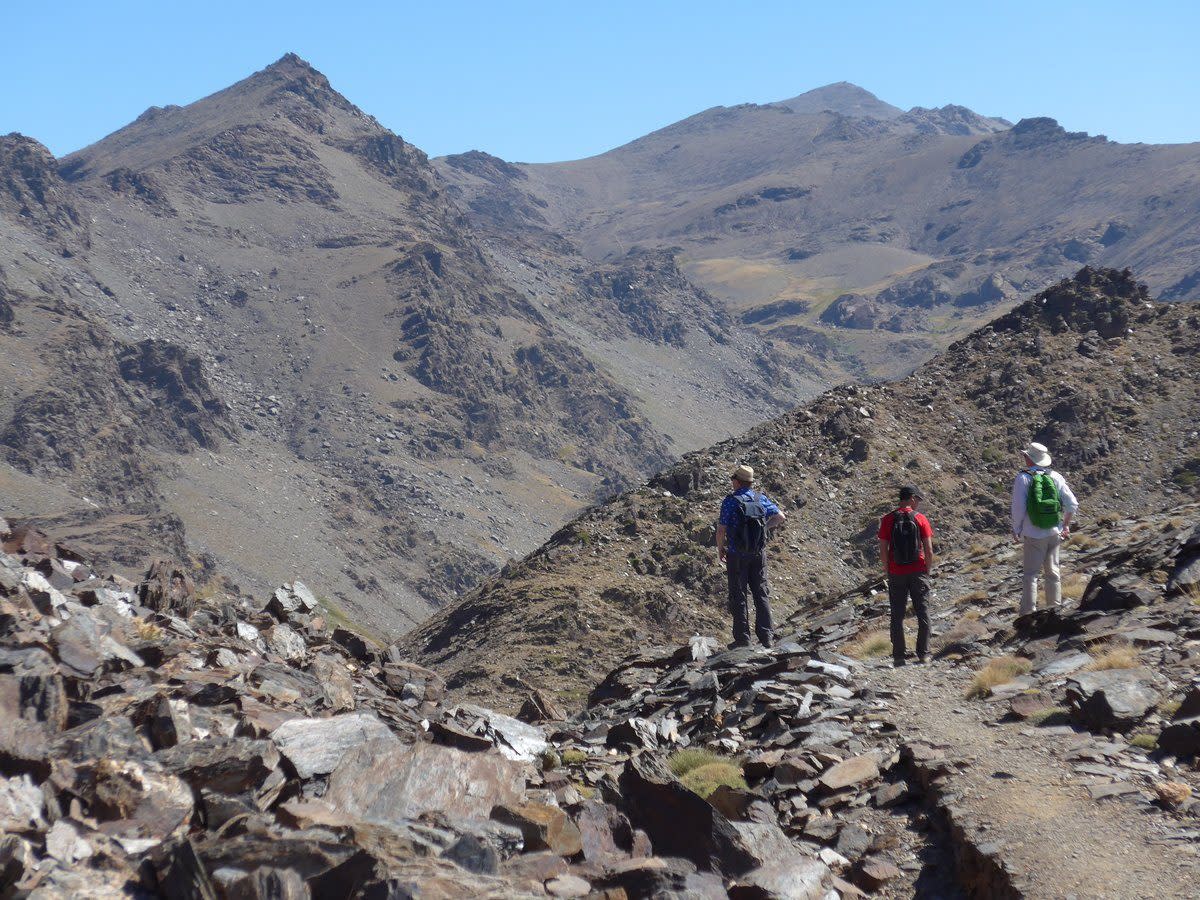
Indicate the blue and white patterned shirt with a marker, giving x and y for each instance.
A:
(729, 511)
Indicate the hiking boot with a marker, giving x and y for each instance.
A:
(897, 663)
(922, 658)
(739, 645)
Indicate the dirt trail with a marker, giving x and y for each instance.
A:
(1056, 841)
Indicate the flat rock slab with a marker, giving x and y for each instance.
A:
(856, 770)
(316, 746)
(384, 780)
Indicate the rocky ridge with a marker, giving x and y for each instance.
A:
(1091, 367)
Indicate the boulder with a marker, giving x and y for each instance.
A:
(1113, 699)
(679, 822)
(284, 642)
(1111, 593)
(383, 781)
(539, 707)
(22, 806)
(227, 765)
(167, 587)
(543, 827)
(292, 602)
(1181, 736)
(657, 877)
(316, 746)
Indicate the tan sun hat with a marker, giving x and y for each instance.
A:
(1038, 454)
(743, 473)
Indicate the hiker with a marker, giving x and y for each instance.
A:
(746, 516)
(1042, 507)
(906, 552)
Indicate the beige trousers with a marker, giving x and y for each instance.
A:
(1041, 554)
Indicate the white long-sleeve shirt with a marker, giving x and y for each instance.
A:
(1021, 526)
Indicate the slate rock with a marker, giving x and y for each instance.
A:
(1112, 699)
(1111, 593)
(605, 832)
(543, 827)
(474, 854)
(874, 873)
(35, 698)
(22, 805)
(266, 883)
(679, 822)
(1181, 736)
(663, 879)
(854, 771)
(540, 707)
(227, 765)
(283, 641)
(291, 601)
(352, 644)
(316, 746)
(167, 587)
(381, 781)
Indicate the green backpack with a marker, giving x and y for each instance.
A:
(1042, 503)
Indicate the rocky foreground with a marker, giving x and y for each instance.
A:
(155, 743)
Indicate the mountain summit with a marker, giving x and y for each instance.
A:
(843, 98)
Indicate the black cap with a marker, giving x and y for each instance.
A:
(908, 492)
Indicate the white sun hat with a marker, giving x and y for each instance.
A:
(1038, 454)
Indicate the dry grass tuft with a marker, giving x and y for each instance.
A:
(703, 780)
(972, 597)
(689, 758)
(1114, 656)
(573, 757)
(1168, 708)
(1144, 741)
(872, 645)
(1081, 542)
(1000, 670)
(1073, 585)
(147, 631)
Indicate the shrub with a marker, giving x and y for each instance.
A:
(1000, 670)
(572, 757)
(689, 758)
(1115, 656)
(703, 780)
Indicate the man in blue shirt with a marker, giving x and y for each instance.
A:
(741, 533)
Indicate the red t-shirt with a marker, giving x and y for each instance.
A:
(885, 534)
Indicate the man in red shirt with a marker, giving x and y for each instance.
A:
(906, 551)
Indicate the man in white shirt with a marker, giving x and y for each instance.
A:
(1041, 543)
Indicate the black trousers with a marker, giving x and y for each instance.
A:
(750, 573)
(900, 589)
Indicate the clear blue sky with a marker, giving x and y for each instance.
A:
(545, 81)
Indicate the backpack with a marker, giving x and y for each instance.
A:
(906, 538)
(1042, 502)
(750, 527)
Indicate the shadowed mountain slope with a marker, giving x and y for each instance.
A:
(1092, 367)
(304, 356)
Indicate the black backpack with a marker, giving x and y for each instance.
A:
(750, 528)
(906, 538)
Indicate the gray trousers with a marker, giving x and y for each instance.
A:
(1040, 555)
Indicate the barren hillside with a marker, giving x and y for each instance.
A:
(1092, 367)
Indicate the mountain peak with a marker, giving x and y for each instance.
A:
(843, 98)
